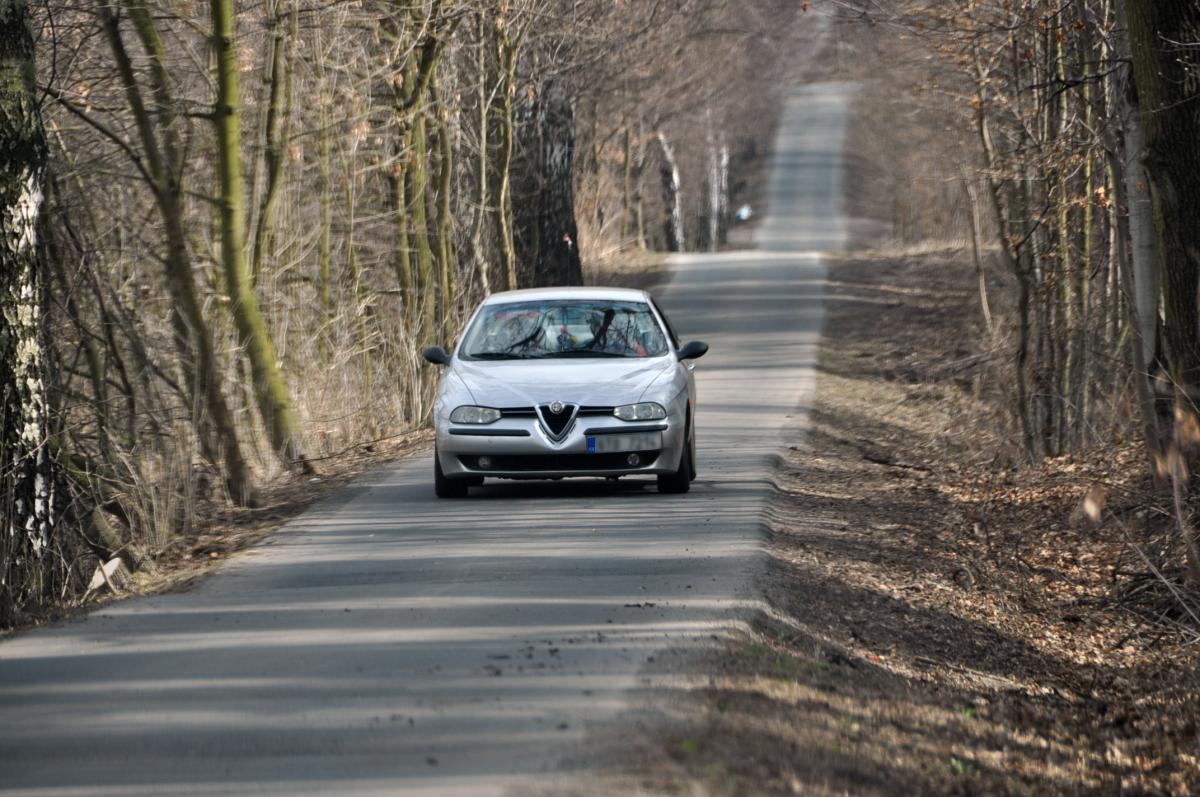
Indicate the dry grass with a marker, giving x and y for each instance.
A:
(216, 530)
(628, 268)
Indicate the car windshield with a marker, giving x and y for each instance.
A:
(563, 328)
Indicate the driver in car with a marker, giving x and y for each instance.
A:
(619, 343)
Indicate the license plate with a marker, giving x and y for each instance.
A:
(609, 443)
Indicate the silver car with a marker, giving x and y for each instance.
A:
(557, 382)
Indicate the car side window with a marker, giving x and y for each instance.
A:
(667, 321)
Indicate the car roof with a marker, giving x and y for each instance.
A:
(584, 292)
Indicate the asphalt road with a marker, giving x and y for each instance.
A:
(389, 643)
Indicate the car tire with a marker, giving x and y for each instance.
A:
(444, 486)
(692, 459)
(681, 480)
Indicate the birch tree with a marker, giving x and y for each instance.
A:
(27, 479)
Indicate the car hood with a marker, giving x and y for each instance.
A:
(524, 383)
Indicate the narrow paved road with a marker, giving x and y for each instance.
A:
(388, 643)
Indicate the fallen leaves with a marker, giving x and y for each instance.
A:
(980, 583)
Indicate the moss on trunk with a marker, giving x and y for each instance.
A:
(270, 392)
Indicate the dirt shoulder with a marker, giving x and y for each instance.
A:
(939, 624)
(640, 269)
(219, 530)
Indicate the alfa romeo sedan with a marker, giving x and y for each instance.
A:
(557, 382)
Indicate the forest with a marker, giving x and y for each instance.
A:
(231, 227)
(236, 224)
(1068, 136)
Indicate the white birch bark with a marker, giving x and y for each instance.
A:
(27, 500)
(673, 224)
(722, 190)
(1144, 250)
(714, 186)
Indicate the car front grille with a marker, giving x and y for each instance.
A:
(557, 425)
(559, 463)
(530, 412)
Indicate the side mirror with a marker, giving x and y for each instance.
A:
(437, 355)
(693, 350)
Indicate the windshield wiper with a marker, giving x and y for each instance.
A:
(585, 353)
(500, 355)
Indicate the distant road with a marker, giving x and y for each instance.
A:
(388, 643)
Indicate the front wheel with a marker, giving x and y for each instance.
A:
(445, 487)
(692, 459)
(681, 480)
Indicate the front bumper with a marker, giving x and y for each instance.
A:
(518, 448)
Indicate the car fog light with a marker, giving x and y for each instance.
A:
(485, 462)
(633, 460)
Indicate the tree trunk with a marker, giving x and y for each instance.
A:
(1166, 66)
(673, 211)
(410, 176)
(197, 358)
(627, 225)
(504, 212)
(545, 221)
(1014, 260)
(417, 189)
(1134, 250)
(1144, 252)
(723, 192)
(402, 260)
(977, 255)
(714, 187)
(479, 260)
(447, 262)
(506, 58)
(270, 392)
(27, 478)
(325, 243)
(638, 199)
(1167, 73)
(279, 107)
(1147, 281)
(353, 272)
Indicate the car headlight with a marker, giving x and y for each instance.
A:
(472, 414)
(644, 411)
